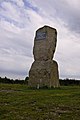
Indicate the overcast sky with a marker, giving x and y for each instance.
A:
(19, 19)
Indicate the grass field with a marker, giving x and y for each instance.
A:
(17, 102)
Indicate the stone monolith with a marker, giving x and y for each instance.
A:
(44, 70)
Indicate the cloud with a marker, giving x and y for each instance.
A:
(14, 65)
(19, 19)
(65, 10)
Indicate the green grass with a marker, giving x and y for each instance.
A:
(17, 102)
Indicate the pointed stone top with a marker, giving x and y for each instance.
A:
(46, 26)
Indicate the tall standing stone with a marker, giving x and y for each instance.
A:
(44, 70)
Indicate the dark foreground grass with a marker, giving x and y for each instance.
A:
(17, 102)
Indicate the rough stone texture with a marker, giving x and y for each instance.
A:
(44, 70)
(44, 74)
(44, 48)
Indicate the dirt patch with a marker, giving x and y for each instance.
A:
(8, 91)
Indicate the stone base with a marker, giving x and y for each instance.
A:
(44, 73)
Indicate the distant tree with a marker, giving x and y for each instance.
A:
(26, 80)
(63, 82)
(67, 82)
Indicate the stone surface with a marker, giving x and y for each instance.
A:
(45, 43)
(44, 74)
(44, 70)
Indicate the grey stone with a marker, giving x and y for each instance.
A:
(44, 74)
(45, 43)
(44, 70)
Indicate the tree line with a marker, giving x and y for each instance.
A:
(68, 81)
(65, 82)
(13, 81)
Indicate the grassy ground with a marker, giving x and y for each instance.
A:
(17, 102)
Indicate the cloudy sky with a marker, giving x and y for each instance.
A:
(19, 19)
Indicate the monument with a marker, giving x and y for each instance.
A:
(44, 70)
